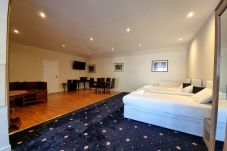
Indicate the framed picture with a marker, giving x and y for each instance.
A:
(118, 67)
(159, 66)
(91, 68)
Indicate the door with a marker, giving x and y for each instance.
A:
(51, 75)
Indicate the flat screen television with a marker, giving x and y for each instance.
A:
(79, 65)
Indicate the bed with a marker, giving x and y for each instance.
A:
(173, 109)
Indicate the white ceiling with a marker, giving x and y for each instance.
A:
(154, 23)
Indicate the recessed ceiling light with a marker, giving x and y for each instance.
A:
(16, 31)
(128, 29)
(190, 14)
(112, 49)
(180, 39)
(42, 14)
(141, 45)
(63, 45)
(91, 39)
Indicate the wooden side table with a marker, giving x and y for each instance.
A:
(15, 121)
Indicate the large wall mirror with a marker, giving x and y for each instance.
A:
(222, 100)
(219, 110)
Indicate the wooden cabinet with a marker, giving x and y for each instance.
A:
(33, 97)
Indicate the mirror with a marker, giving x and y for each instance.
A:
(222, 102)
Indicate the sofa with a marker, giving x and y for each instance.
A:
(32, 92)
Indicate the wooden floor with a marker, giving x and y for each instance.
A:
(58, 104)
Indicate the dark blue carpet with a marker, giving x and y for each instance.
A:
(102, 127)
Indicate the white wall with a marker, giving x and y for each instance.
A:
(201, 52)
(137, 68)
(26, 64)
(4, 139)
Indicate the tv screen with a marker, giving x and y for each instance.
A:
(79, 65)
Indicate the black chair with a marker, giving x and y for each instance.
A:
(99, 84)
(108, 81)
(92, 83)
(112, 85)
(83, 80)
(72, 85)
(102, 79)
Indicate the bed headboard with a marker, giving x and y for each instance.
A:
(168, 84)
(197, 82)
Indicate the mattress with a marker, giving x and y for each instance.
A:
(173, 105)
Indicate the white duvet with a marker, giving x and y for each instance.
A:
(173, 102)
(175, 105)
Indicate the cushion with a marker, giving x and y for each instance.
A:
(188, 89)
(197, 89)
(203, 96)
(186, 84)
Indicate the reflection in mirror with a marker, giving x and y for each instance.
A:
(222, 103)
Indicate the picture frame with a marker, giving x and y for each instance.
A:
(91, 68)
(159, 66)
(118, 67)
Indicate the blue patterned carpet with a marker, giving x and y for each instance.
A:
(102, 127)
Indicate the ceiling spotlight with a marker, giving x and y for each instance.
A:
(91, 39)
(128, 30)
(180, 39)
(112, 49)
(190, 14)
(63, 45)
(141, 45)
(42, 14)
(16, 31)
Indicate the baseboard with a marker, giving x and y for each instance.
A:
(7, 148)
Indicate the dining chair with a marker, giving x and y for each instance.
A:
(112, 85)
(99, 84)
(92, 83)
(108, 80)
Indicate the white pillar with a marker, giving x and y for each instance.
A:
(4, 133)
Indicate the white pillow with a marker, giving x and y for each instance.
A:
(203, 96)
(188, 89)
(187, 81)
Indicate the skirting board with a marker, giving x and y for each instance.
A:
(7, 148)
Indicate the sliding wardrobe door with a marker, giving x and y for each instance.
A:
(219, 104)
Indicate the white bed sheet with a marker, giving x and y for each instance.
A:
(178, 105)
